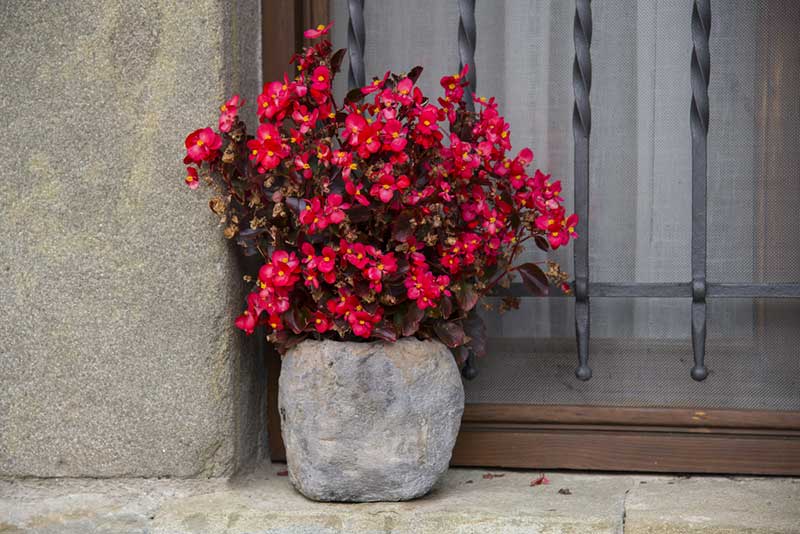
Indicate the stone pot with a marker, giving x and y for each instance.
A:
(369, 421)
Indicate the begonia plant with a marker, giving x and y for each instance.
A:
(381, 216)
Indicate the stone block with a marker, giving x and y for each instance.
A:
(118, 356)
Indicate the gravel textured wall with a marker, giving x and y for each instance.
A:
(117, 352)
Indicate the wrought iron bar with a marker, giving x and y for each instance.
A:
(466, 45)
(581, 127)
(356, 35)
(698, 118)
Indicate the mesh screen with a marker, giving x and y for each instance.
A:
(640, 155)
(639, 362)
(640, 220)
(754, 143)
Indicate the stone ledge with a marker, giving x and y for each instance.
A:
(465, 503)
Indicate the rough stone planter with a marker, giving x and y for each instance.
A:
(369, 421)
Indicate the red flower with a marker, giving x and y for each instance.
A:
(321, 78)
(191, 178)
(282, 271)
(354, 126)
(355, 190)
(376, 85)
(361, 322)
(272, 103)
(267, 149)
(202, 145)
(428, 120)
(387, 185)
(274, 322)
(228, 112)
(327, 262)
(394, 136)
(384, 264)
(319, 31)
(321, 322)
(356, 255)
(303, 118)
(370, 141)
(247, 322)
(334, 208)
(302, 166)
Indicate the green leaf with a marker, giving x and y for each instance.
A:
(534, 279)
(450, 333)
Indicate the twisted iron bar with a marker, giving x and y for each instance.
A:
(356, 35)
(466, 44)
(581, 127)
(698, 119)
(582, 68)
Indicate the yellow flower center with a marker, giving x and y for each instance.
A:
(426, 123)
(320, 27)
(199, 142)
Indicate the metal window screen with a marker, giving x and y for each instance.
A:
(640, 206)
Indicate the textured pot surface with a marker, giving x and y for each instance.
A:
(369, 421)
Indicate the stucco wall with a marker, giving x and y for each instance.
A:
(117, 351)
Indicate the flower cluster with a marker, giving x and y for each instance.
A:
(381, 216)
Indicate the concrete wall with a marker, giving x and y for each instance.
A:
(118, 356)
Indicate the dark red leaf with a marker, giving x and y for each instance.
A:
(354, 95)
(295, 319)
(359, 214)
(475, 328)
(336, 59)
(402, 228)
(385, 331)
(467, 297)
(414, 73)
(534, 279)
(446, 306)
(542, 243)
(295, 204)
(490, 476)
(412, 319)
(282, 473)
(450, 333)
